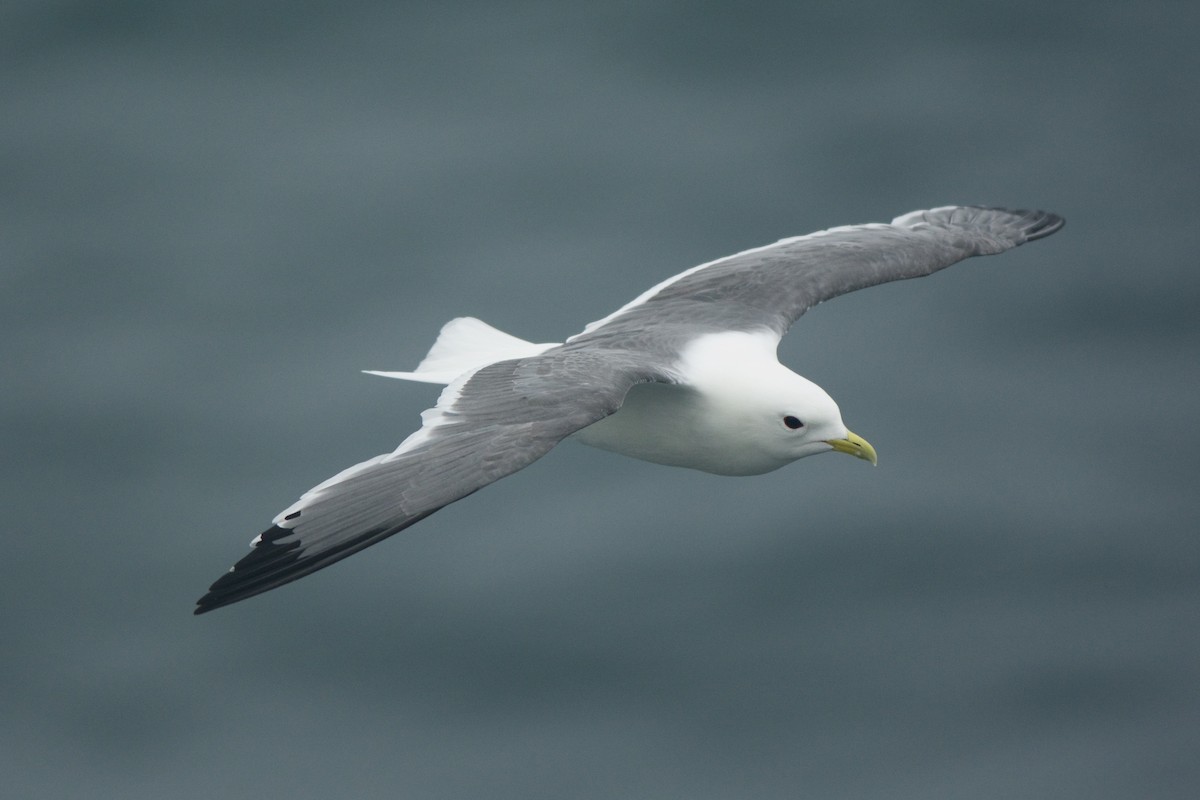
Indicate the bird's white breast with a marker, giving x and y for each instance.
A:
(706, 421)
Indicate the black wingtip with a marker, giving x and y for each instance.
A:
(253, 573)
(1029, 223)
(273, 562)
(1043, 224)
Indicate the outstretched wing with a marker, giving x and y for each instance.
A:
(772, 286)
(488, 424)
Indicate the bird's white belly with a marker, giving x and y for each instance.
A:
(675, 425)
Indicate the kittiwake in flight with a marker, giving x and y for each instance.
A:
(685, 374)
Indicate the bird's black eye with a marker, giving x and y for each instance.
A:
(793, 422)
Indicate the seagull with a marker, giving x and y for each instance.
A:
(685, 374)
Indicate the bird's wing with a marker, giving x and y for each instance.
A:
(770, 287)
(486, 425)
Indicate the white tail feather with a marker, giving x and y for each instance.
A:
(465, 344)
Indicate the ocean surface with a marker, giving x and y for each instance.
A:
(213, 215)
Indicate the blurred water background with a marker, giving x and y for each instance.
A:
(212, 215)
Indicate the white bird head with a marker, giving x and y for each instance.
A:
(743, 414)
(771, 417)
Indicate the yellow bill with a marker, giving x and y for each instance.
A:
(854, 445)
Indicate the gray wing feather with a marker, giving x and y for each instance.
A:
(503, 418)
(772, 286)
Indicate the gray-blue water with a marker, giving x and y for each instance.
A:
(213, 215)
